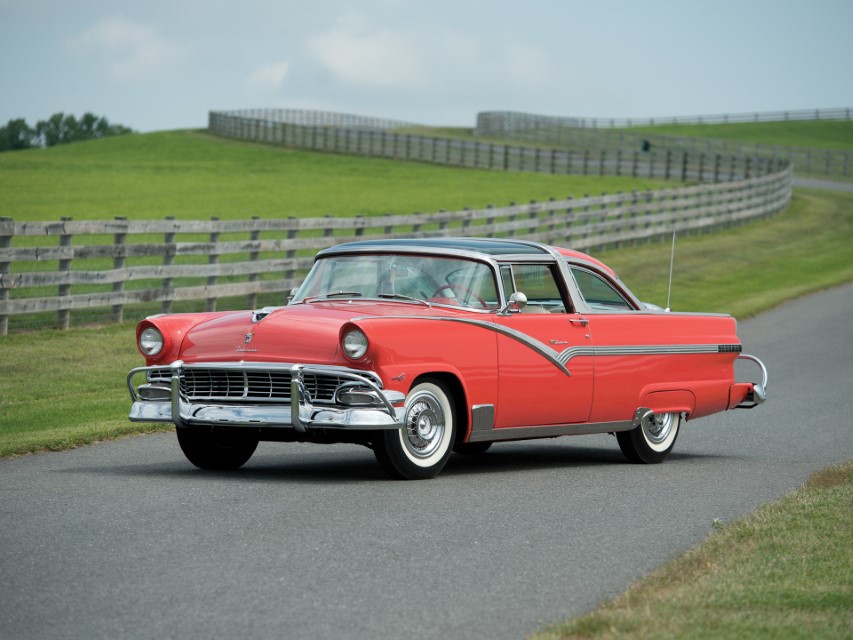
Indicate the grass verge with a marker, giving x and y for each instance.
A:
(782, 572)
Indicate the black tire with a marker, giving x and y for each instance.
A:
(422, 447)
(652, 441)
(216, 451)
(472, 448)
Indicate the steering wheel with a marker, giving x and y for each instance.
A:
(455, 287)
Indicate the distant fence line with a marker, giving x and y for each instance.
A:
(510, 117)
(155, 263)
(563, 132)
(665, 164)
(312, 118)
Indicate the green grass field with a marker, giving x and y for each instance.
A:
(824, 134)
(193, 175)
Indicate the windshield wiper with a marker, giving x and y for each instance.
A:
(400, 296)
(332, 294)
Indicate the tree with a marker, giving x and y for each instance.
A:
(17, 134)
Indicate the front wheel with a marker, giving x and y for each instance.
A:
(420, 449)
(216, 451)
(651, 442)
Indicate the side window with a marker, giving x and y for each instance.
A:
(598, 293)
(539, 284)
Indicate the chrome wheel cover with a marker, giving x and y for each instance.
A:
(658, 428)
(425, 425)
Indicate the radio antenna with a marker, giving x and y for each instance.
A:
(671, 263)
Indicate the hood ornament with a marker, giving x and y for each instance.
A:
(248, 339)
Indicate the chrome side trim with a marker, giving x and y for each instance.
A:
(551, 431)
(560, 359)
(482, 417)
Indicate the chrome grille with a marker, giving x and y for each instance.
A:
(249, 385)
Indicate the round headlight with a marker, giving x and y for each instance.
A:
(355, 344)
(151, 341)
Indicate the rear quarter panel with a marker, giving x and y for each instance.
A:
(695, 383)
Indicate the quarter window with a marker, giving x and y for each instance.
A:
(598, 293)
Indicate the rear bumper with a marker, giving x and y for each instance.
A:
(748, 395)
(361, 405)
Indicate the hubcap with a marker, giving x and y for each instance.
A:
(658, 428)
(424, 425)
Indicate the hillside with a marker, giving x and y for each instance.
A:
(819, 134)
(191, 174)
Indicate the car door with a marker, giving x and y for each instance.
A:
(535, 386)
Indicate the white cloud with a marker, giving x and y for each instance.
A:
(134, 50)
(268, 77)
(355, 53)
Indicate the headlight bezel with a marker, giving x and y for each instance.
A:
(354, 343)
(153, 337)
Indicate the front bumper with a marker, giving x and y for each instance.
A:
(359, 402)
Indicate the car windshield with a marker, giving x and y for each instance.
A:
(432, 279)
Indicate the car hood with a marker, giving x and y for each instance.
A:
(306, 333)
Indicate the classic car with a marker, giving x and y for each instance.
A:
(418, 348)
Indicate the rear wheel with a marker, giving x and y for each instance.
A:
(652, 441)
(421, 448)
(216, 451)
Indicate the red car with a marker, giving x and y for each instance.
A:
(417, 348)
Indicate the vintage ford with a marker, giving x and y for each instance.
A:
(418, 348)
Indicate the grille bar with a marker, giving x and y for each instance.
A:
(257, 386)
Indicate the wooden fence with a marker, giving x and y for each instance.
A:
(576, 133)
(844, 113)
(272, 126)
(65, 266)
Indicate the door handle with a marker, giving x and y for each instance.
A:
(581, 321)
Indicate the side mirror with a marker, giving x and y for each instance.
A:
(291, 295)
(517, 302)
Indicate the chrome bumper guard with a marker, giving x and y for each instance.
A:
(759, 391)
(360, 403)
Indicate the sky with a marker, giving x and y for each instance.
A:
(158, 64)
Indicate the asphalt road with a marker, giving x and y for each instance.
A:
(126, 540)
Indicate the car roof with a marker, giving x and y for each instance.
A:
(488, 246)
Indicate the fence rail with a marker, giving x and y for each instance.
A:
(69, 265)
(563, 132)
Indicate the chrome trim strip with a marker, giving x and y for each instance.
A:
(482, 417)
(552, 431)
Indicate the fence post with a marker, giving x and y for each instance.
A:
(168, 261)
(5, 243)
(668, 167)
(254, 237)
(63, 315)
(119, 262)
(570, 223)
(490, 221)
(212, 258)
(684, 161)
(512, 218)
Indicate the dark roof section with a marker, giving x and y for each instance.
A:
(491, 246)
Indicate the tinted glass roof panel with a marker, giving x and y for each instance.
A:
(482, 245)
